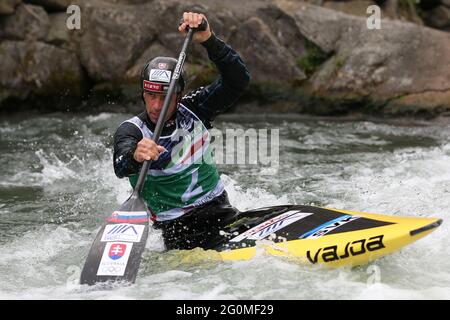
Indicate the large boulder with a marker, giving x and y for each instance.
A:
(156, 49)
(401, 59)
(267, 60)
(300, 52)
(357, 8)
(53, 5)
(112, 37)
(27, 22)
(8, 6)
(59, 34)
(36, 69)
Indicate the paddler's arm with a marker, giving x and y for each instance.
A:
(234, 77)
(131, 149)
(126, 139)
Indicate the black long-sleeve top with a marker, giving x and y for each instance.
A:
(205, 102)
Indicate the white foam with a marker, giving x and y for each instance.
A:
(44, 262)
(100, 117)
(249, 198)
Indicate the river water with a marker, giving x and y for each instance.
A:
(57, 186)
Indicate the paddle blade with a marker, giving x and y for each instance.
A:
(116, 252)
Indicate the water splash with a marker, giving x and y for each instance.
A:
(363, 166)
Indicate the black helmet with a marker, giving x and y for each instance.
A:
(157, 73)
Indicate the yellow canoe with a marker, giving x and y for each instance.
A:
(315, 235)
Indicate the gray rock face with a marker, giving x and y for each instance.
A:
(357, 8)
(8, 6)
(35, 68)
(401, 59)
(113, 37)
(27, 22)
(53, 5)
(310, 52)
(58, 34)
(267, 60)
(156, 49)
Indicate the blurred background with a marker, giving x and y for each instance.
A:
(316, 57)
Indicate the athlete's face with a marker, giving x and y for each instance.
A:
(154, 103)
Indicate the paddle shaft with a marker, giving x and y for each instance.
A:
(162, 116)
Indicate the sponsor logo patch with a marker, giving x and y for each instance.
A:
(128, 217)
(162, 65)
(354, 248)
(123, 232)
(160, 75)
(328, 227)
(114, 259)
(180, 63)
(117, 251)
(153, 86)
(272, 225)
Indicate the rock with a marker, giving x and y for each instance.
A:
(439, 17)
(304, 54)
(112, 37)
(267, 60)
(357, 8)
(128, 1)
(156, 49)
(430, 102)
(8, 6)
(408, 12)
(284, 28)
(168, 34)
(35, 69)
(224, 23)
(412, 60)
(27, 22)
(390, 9)
(58, 33)
(53, 5)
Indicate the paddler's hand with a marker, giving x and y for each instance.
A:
(193, 20)
(147, 149)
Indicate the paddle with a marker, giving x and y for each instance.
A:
(116, 252)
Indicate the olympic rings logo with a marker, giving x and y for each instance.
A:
(113, 270)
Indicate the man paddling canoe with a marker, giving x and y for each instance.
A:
(184, 193)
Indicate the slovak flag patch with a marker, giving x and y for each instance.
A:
(117, 250)
(115, 259)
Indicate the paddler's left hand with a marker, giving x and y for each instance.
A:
(193, 20)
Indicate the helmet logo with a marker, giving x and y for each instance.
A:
(160, 75)
(151, 86)
(162, 65)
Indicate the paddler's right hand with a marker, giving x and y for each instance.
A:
(147, 149)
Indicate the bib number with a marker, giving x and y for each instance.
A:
(189, 193)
